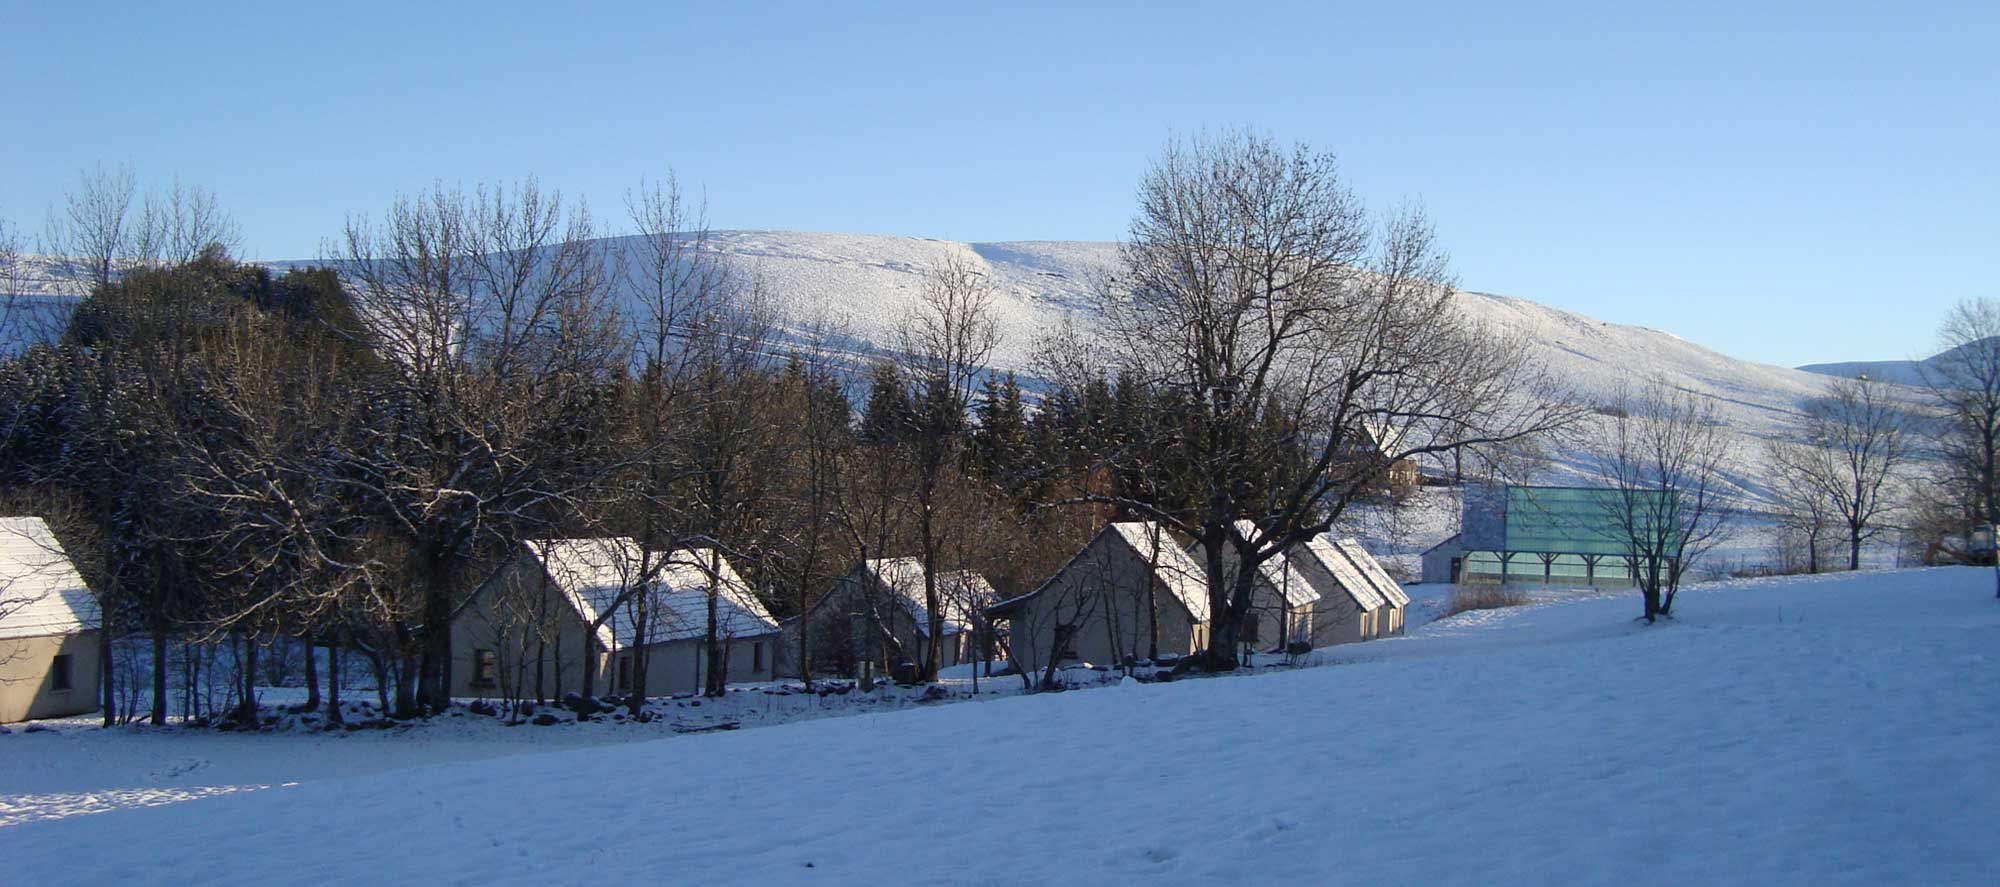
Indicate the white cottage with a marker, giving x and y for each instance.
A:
(527, 632)
(1282, 601)
(50, 635)
(1132, 593)
(1358, 600)
(884, 598)
(1443, 563)
(1349, 608)
(1395, 601)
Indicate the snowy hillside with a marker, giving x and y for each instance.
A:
(867, 283)
(1826, 730)
(1899, 372)
(870, 281)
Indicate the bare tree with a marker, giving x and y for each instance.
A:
(182, 223)
(14, 301)
(1066, 608)
(977, 528)
(1662, 458)
(1257, 296)
(1852, 447)
(945, 340)
(93, 233)
(808, 549)
(677, 290)
(725, 452)
(1804, 512)
(1964, 379)
(491, 313)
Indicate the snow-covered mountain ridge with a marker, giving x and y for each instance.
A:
(867, 283)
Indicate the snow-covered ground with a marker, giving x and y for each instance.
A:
(1824, 730)
(141, 766)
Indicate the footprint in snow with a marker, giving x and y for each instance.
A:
(180, 769)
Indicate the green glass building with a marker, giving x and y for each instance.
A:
(1574, 536)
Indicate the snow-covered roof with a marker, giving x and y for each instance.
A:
(960, 590)
(1279, 572)
(1178, 571)
(1385, 437)
(593, 573)
(1448, 540)
(1385, 585)
(1322, 550)
(41, 593)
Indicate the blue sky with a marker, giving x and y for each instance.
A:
(1792, 184)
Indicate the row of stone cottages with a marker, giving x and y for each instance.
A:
(530, 629)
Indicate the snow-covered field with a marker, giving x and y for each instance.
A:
(1825, 730)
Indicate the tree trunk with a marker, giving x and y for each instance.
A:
(1152, 623)
(434, 688)
(381, 679)
(1854, 548)
(1225, 620)
(159, 676)
(541, 657)
(333, 683)
(106, 679)
(312, 678)
(1673, 587)
(190, 681)
(246, 705)
(805, 649)
(1048, 681)
(433, 683)
(933, 615)
(406, 687)
(635, 695)
(1812, 550)
(1649, 588)
(717, 679)
(587, 690)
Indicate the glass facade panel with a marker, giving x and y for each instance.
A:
(1574, 520)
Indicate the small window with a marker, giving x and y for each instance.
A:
(485, 668)
(757, 656)
(61, 677)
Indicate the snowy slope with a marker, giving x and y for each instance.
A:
(867, 283)
(1824, 731)
(1899, 372)
(870, 281)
